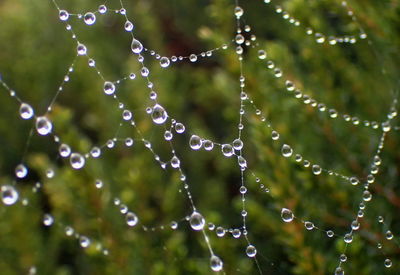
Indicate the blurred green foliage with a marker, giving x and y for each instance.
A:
(359, 79)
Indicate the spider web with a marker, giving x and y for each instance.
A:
(197, 158)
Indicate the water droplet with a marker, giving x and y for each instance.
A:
(95, 152)
(136, 46)
(179, 128)
(354, 181)
(330, 233)
(158, 114)
(320, 38)
(48, 220)
(215, 263)
(367, 196)
(99, 184)
(238, 12)
(348, 238)
(102, 9)
(237, 144)
(8, 194)
(251, 251)
(109, 88)
(168, 135)
(309, 225)
(316, 169)
(131, 219)
(208, 145)
(64, 150)
(128, 26)
(339, 271)
(84, 241)
(43, 125)
(63, 15)
(220, 232)
(175, 162)
(195, 142)
(77, 161)
(236, 233)
(126, 115)
(343, 258)
(89, 18)
(81, 49)
(196, 221)
(193, 57)
(21, 171)
(227, 150)
(389, 235)
(355, 225)
(239, 39)
(164, 62)
(287, 215)
(242, 162)
(262, 54)
(388, 263)
(26, 111)
(286, 150)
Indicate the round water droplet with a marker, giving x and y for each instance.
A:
(84, 241)
(339, 271)
(175, 162)
(348, 238)
(287, 215)
(286, 150)
(237, 144)
(131, 219)
(193, 57)
(48, 220)
(136, 46)
(126, 115)
(77, 161)
(168, 135)
(109, 88)
(309, 225)
(89, 18)
(128, 26)
(227, 150)
(63, 15)
(242, 162)
(354, 181)
(164, 62)
(320, 38)
(179, 128)
(215, 263)
(195, 142)
(355, 225)
(330, 233)
(388, 263)
(21, 171)
(81, 49)
(64, 150)
(102, 9)
(389, 235)
(239, 39)
(95, 152)
(262, 54)
(251, 251)
(316, 169)
(158, 114)
(236, 233)
(8, 194)
(343, 258)
(26, 111)
(196, 221)
(220, 231)
(208, 145)
(238, 12)
(99, 184)
(274, 135)
(367, 196)
(43, 125)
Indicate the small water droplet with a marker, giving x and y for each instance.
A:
(48, 220)
(251, 251)
(287, 215)
(158, 114)
(81, 49)
(128, 26)
(316, 169)
(136, 46)
(215, 263)
(89, 18)
(131, 219)
(286, 150)
(8, 194)
(63, 15)
(77, 161)
(43, 125)
(196, 221)
(26, 111)
(164, 62)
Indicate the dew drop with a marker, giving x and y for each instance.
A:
(48, 220)
(339, 271)
(89, 18)
(128, 26)
(63, 15)
(388, 263)
(179, 128)
(195, 142)
(196, 221)
(389, 235)
(227, 150)
(367, 196)
(286, 150)
(84, 241)
(81, 49)
(109, 88)
(208, 145)
(8, 194)
(43, 125)
(215, 263)
(21, 171)
(251, 251)
(287, 215)
(348, 238)
(316, 169)
(26, 111)
(102, 9)
(193, 57)
(309, 225)
(64, 150)
(220, 231)
(237, 144)
(242, 162)
(175, 162)
(136, 46)
(158, 114)
(77, 161)
(131, 219)
(164, 62)
(262, 54)
(330, 233)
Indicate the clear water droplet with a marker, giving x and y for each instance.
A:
(388, 263)
(77, 161)
(9, 195)
(109, 88)
(64, 150)
(81, 49)
(287, 215)
(84, 241)
(48, 220)
(196, 221)
(89, 18)
(21, 171)
(339, 271)
(195, 142)
(158, 114)
(286, 150)
(262, 54)
(389, 235)
(164, 62)
(26, 111)
(348, 238)
(102, 9)
(128, 26)
(193, 57)
(309, 225)
(131, 219)
(251, 251)
(63, 15)
(237, 144)
(215, 263)
(227, 150)
(43, 125)
(175, 162)
(136, 46)
(316, 169)
(179, 128)
(208, 145)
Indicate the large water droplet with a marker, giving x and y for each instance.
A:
(63, 15)
(8, 194)
(196, 221)
(316, 169)
(237, 144)
(43, 125)
(131, 219)
(84, 241)
(89, 18)
(64, 150)
(287, 215)
(81, 49)
(179, 128)
(227, 150)
(287, 151)
(348, 238)
(77, 161)
(251, 251)
(158, 114)
(26, 111)
(136, 46)
(128, 26)
(164, 62)
(109, 88)
(215, 263)
(195, 142)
